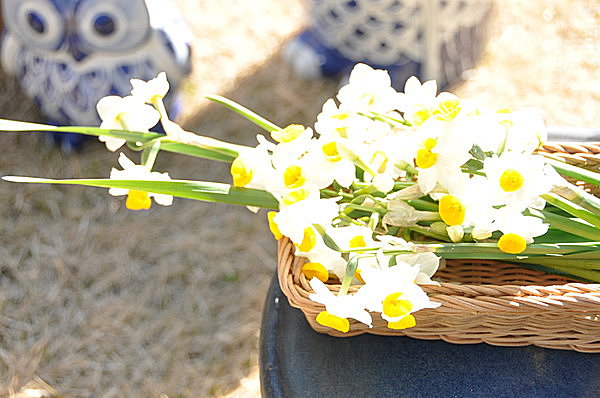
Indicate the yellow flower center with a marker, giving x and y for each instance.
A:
(451, 210)
(420, 116)
(511, 180)
(505, 111)
(425, 157)
(332, 321)
(369, 98)
(138, 200)
(293, 177)
(288, 134)
(241, 172)
(404, 323)
(447, 109)
(295, 196)
(357, 241)
(331, 152)
(394, 307)
(341, 116)
(342, 131)
(315, 270)
(512, 243)
(309, 240)
(273, 226)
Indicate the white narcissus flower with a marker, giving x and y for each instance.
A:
(124, 113)
(293, 220)
(352, 237)
(428, 264)
(368, 90)
(331, 260)
(517, 179)
(518, 230)
(252, 168)
(151, 90)
(338, 308)
(442, 152)
(292, 142)
(138, 200)
(468, 203)
(325, 162)
(393, 292)
(417, 100)
(333, 123)
(526, 130)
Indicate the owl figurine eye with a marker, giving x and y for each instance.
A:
(112, 24)
(105, 25)
(37, 22)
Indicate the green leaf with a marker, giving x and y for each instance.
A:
(572, 209)
(473, 165)
(329, 242)
(245, 112)
(578, 173)
(199, 146)
(198, 190)
(477, 153)
(349, 274)
(567, 224)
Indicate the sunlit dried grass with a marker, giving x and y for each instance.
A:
(102, 302)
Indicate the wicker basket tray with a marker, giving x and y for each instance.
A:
(482, 300)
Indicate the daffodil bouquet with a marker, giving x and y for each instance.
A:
(390, 184)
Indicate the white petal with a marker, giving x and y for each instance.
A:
(112, 144)
(164, 200)
(109, 107)
(125, 162)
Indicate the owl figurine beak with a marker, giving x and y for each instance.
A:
(74, 49)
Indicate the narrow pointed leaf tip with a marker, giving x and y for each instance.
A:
(245, 112)
(24, 179)
(14, 125)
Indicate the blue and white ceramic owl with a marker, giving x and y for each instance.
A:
(431, 39)
(67, 54)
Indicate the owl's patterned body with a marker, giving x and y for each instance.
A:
(432, 39)
(67, 54)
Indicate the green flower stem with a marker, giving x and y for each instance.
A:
(574, 210)
(429, 233)
(364, 208)
(149, 155)
(332, 193)
(159, 105)
(359, 163)
(245, 112)
(384, 118)
(402, 165)
(424, 205)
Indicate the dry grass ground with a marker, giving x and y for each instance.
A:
(99, 301)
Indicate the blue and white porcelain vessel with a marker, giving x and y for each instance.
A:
(67, 54)
(430, 39)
